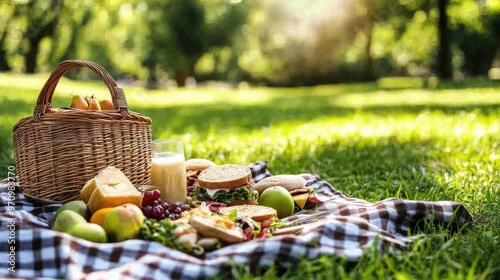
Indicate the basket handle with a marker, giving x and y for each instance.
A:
(45, 96)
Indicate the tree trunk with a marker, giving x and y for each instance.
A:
(444, 53)
(181, 75)
(370, 71)
(4, 64)
(478, 63)
(31, 57)
(152, 80)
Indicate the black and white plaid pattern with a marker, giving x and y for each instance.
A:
(340, 226)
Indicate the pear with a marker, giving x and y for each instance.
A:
(87, 98)
(78, 102)
(106, 105)
(94, 104)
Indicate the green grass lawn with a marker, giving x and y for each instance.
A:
(371, 141)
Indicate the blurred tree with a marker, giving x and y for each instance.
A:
(6, 13)
(370, 21)
(181, 32)
(476, 31)
(104, 31)
(266, 40)
(4, 64)
(444, 54)
(276, 42)
(297, 43)
(42, 17)
(375, 13)
(72, 22)
(30, 26)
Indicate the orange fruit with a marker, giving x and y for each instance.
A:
(99, 215)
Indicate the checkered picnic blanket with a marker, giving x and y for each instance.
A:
(339, 226)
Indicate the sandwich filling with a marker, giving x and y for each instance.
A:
(304, 198)
(226, 196)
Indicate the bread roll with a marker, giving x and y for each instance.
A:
(287, 181)
(257, 213)
(198, 164)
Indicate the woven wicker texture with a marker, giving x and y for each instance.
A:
(56, 153)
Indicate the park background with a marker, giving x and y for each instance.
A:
(388, 98)
(274, 42)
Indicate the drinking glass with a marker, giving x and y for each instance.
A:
(168, 171)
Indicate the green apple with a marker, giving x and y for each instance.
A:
(67, 219)
(89, 231)
(77, 206)
(123, 222)
(278, 198)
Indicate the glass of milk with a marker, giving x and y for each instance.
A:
(168, 172)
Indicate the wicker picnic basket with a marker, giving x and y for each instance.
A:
(57, 152)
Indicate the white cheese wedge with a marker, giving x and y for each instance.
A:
(108, 176)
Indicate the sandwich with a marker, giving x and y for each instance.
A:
(218, 227)
(257, 213)
(254, 220)
(194, 167)
(215, 226)
(302, 195)
(230, 184)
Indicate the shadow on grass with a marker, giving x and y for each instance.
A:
(225, 117)
(201, 119)
(381, 169)
(14, 107)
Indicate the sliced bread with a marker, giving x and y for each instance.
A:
(225, 176)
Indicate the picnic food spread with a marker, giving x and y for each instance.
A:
(118, 211)
(97, 211)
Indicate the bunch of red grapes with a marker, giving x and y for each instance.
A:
(154, 207)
